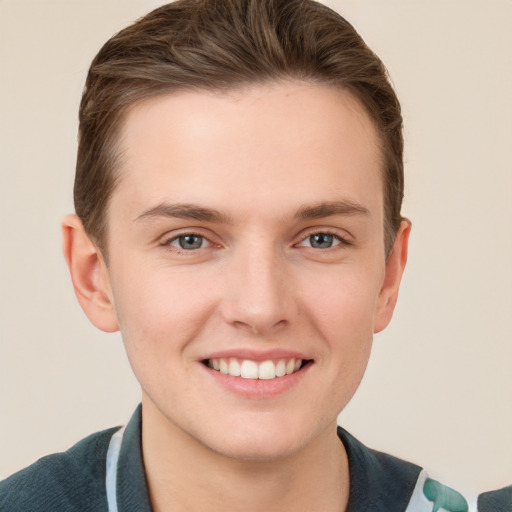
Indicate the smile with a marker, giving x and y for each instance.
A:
(249, 369)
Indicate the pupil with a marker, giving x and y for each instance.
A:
(190, 242)
(321, 240)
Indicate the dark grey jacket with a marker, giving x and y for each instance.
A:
(78, 481)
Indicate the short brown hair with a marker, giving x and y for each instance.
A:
(221, 45)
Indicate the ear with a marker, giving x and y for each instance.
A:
(89, 274)
(395, 266)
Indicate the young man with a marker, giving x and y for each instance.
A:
(238, 193)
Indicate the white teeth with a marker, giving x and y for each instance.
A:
(224, 367)
(267, 370)
(247, 369)
(234, 368)
(281, 368)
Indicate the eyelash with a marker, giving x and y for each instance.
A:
(180, 250)
(342, 241)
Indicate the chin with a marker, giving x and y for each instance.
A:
(260, 441)
(257, 450)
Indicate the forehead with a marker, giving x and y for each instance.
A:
(305, 142)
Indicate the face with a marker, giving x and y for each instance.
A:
(246, 237)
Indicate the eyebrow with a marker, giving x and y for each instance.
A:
(305, 212)
(326, 209)
(185, 211)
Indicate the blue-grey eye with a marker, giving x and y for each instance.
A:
(321, 241)
(189, 242)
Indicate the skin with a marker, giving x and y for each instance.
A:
(264, 159)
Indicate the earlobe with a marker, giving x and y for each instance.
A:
(395, 266)
(89, 275)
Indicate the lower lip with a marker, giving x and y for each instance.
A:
(258, 389)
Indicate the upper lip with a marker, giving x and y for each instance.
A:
(256, 355)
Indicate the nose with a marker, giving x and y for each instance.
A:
(259, 296)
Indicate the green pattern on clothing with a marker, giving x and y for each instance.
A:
(444, 497)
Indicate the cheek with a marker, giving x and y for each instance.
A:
(159, 310)
(342, 302)
(344, 316)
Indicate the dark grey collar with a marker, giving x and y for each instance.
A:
(378, 482)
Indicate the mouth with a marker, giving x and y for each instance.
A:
(256, 370)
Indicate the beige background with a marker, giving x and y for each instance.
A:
(439, 386)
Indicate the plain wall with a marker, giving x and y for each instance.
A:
(438, 390)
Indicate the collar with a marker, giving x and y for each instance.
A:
(126, 485)
(378, 482)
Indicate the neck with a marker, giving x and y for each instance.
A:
(183, 474)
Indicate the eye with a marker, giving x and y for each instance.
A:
(189, 242)
(321, 241)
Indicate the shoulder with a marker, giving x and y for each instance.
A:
(72, 481)
(496, 501)
(430, 495)
(378, 481)
(382, 483)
